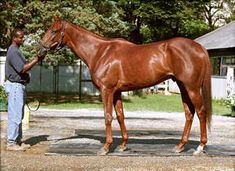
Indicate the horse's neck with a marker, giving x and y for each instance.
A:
(84, 44)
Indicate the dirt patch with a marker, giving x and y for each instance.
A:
(50, 127)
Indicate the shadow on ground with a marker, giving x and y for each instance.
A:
(140, 143)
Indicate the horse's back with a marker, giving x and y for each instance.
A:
(149, 64)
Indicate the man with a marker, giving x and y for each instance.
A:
(17, 76)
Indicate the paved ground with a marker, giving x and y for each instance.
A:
(69, 140)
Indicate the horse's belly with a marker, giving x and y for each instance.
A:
(139, 82)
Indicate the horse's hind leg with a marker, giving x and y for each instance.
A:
(189, 113)
(117, 102)
(197, 101)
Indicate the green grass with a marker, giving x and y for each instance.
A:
(153, 102)
(74, 105)
(219, 108)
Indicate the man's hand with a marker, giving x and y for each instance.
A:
(29, 65)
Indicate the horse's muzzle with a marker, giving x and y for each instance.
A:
(41, 50)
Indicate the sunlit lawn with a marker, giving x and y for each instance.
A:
(152, 102)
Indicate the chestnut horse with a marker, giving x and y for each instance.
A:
(118, 65)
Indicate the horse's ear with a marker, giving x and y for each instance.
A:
(56, 18)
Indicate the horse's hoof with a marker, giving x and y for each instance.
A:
(200, 150)
(102, 152)
(176, 149)
(198, 153)
(122, 148)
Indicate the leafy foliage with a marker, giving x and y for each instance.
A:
(230, 100)
(3, 96)
(136, 20)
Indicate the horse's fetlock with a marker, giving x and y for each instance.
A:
(109, 142)
(203, 141)
(125, 137)
(184, 140)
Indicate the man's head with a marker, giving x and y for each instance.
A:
(18, 37)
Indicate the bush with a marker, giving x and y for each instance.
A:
(230, 100)
(3, 99)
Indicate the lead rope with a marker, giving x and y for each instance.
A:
(40, 82)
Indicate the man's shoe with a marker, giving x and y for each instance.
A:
(25, 146)
(14, 147)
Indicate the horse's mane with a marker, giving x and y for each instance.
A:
(101, 37)
(79, 27)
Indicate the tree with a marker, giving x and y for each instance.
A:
(36, 16)
(157, 20)
(230, 7)
(136, 20)
(219, 12)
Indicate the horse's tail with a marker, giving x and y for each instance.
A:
(206, 91)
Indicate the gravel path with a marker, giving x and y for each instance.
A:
(48, 126)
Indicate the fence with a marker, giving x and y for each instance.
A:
(75, 79)
(2, 64)
(218, 87)
(63, 79)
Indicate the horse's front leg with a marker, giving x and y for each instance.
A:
(107, 98)
(117, 102)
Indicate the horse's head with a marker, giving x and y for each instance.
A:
(53, 38)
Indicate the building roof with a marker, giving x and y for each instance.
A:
(223, 37)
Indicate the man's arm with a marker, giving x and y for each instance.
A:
(30, 65)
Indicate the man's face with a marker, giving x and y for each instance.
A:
(19, 38)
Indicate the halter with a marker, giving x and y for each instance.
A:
(59, 43)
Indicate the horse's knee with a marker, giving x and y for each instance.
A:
(108, 119)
